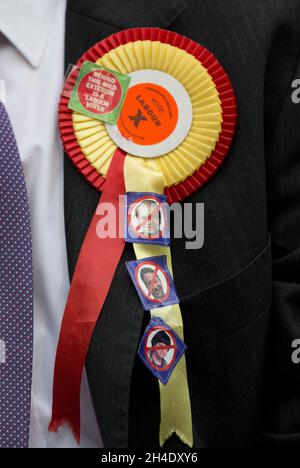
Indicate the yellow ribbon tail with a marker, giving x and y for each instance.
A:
(142, 175)
(176, 413)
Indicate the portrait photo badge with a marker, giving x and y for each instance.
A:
(99, 92)
(160, 349)
(146, 218)
(153, 282)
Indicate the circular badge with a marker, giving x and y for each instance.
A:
(152, 281)
(99, 92)
(160, 348)
(156, 115)
(149, 115)
(147, 218)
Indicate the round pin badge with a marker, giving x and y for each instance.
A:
(156, 116)
(160, 348)
(153, 282)
(99, 102)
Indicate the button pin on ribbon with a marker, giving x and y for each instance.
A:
(160, 349)
(146, 218)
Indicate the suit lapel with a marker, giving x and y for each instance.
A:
(124, 14)
(113, 349)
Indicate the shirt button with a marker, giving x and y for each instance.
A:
(2, 91)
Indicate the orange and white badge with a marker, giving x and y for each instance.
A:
(156, 115)
(150, 114)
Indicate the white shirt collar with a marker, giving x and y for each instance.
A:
(26, 24)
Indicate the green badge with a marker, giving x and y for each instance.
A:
(99, 92)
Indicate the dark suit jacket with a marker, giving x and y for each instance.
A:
(240, 294)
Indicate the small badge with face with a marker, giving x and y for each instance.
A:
(160, 349)
(153, 282)
(146, 218)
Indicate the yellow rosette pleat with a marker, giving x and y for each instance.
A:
(176, 417)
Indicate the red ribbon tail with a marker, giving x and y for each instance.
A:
(92, 279)
(55, 424)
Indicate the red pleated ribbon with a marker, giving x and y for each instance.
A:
(92, 279)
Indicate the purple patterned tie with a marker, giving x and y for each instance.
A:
(16, 302)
